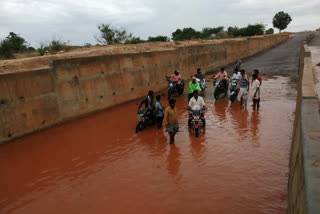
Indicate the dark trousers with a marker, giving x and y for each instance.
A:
(159, 121)
(190, 95)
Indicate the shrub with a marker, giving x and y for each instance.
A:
(250, 30)
(222, 34)
(158, 39)
(6, 50)
(56, 46)
(210, 33)
(134, 40)
(185, 34)
(270, 31)
(42, 49)
(13, 43)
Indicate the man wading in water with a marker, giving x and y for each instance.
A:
(171, 120)
(244, 88)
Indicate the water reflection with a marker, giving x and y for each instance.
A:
(239, 119)
(255, 123)
(220, 108)
(197, 146)
(174, 162)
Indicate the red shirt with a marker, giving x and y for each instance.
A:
(259, 78)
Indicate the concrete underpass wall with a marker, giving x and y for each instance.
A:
(304, 176)
(33, 100)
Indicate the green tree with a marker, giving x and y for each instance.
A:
(281, 20)
(110, 34)
(209, 33)
(18, 43)
(250, 30)
(185, 34)
(253, 30)
(233, 31)
(6, 50)
(270, 31)
(13, 43)
(158, 39)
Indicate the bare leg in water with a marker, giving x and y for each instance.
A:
(172, 134)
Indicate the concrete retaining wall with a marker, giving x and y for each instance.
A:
(33, 100)
(304, 176)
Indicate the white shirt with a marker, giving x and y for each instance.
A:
(236, 76)
(196, 104)
(254, 86)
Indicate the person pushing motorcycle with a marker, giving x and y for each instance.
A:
(149, 104)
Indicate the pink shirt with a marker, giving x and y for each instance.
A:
(176, 78)
(221, 76)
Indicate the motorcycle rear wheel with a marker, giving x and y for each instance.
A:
(169, 94)
(233, 98)
(196, 132)
(181, 91)
(216, 95)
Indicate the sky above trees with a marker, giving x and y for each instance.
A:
(43, 20)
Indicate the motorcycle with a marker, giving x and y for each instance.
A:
(173, 88)
(220, 88)
(146, 118)
(196, 121)
(234, 89)
(237, 66)
(202, 84)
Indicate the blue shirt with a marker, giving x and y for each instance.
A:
(243, 83)
(159, 113)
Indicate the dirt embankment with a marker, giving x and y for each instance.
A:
(42, 62)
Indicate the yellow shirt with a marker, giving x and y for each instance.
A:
(170, 116)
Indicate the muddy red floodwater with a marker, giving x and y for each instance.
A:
(99, 165)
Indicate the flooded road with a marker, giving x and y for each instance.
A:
(98, 164)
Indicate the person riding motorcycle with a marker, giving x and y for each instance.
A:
(237, 66)
(197, 103)
(222, 76)
(193, 85)
(199, 74)
(176, 77)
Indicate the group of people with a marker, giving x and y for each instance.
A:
(244, 87)
(169, 116)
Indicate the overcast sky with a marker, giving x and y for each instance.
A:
(76, 20)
